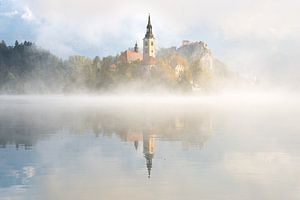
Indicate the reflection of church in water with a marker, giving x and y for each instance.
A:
(148, 146)
(187, 131)
(149, 149)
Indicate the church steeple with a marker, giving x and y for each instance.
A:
(149, 47)
(149, 33)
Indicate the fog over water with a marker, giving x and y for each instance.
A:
(233, 146)
(216, 118)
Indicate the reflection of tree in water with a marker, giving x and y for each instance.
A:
(25, 127)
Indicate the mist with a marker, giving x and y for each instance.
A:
(49, 143)
(185, 99)
(262, 41)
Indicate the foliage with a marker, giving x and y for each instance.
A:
(26, 68)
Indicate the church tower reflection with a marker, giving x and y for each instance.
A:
(149, 149)
(192, 132)
(136, 144)
(149, 146)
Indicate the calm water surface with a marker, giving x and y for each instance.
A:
(123, 148)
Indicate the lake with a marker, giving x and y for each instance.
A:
(131, 147)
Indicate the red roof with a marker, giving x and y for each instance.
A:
(131, 56)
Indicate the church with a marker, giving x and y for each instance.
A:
(149, 48)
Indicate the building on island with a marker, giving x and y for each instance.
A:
(149, 46)
(132, 55)
(149, 49)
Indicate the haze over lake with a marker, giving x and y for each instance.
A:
(149, 100)
(150, 147)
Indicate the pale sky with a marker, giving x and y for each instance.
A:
(248, 35)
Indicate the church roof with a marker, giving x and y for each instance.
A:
(131, 55)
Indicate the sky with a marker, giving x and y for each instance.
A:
(250, 36)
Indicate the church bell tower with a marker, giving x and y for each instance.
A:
(149, 48)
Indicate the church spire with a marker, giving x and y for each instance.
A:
(149, 21)
(149, 33)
